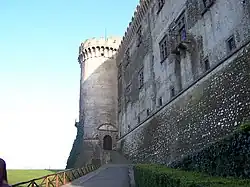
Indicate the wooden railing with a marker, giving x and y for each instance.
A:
(57, 179)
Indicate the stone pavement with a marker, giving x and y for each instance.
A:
(107, 176)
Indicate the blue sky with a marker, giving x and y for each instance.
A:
(39, 73)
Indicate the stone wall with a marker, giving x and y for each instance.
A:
(207, 33)
(208, 110)
(98, 100)
(227, 157)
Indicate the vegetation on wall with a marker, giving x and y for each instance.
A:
(76, 148)
(228, 157)
(159, 176)
(245, 126)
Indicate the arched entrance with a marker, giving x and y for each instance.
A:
(107, 142)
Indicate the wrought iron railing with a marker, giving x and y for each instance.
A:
(57, 179)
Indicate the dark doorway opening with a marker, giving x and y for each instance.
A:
(107, 142)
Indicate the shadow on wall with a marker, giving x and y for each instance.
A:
(79, 151)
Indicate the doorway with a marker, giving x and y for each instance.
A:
(107, 142)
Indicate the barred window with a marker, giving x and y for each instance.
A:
(141, 78)
(163, 48)
(139, 36)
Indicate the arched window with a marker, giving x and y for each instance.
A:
(107, 142)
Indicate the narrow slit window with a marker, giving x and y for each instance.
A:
(206, 65)
(160, 101)
(231, 44)
(172, 90)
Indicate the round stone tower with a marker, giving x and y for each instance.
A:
(98, 97)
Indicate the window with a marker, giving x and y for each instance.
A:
(141, 78)
(208, 3)
(206, 65)
(172, 92)
(148, 112)
(231, 43)
(119, 104)
(181, 26)
(160, 101)
(183, 34)
(139, 36)
(129, 127)
(127, 58)
(138, 119)
(160, 5)
(128, 89)
(163, 48)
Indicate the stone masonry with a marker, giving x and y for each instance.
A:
(98, 98)
(183, 77)
(178, 81)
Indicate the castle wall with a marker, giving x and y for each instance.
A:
(193, 96)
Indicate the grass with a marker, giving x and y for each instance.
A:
(16, 176)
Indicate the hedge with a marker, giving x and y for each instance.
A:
(150, 175)
(230, 156)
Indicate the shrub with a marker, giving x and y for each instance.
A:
(245, 126)
(147, 175)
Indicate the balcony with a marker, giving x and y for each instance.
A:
(180, 41)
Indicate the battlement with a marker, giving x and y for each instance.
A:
(134, 24)
(97, 47)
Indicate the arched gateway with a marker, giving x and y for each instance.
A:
(107, 142)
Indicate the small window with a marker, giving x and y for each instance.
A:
(183, 34)
(127, 58)
(119, 105)
(206, 65)
(139, 36)
(138, 119)
(160, 5)
(160, 101)
(129, 127)
(163, 48)
(128, 88)
(181, 26)
(172, 92)
(148, 112)
(208, 3)
(231, 44)
(141, 78)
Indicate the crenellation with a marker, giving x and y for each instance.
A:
(92, 48)
(179, 45)
(134, 24)
(176, 81)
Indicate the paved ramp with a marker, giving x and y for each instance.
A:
(106, 176)
(118, 173)
(118, 158)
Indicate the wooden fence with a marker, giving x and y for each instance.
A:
(57, 179)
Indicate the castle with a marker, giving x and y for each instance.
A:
(177, 81)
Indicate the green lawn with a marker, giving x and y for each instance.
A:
(16, 176)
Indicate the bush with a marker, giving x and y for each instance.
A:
(147, 175)
(245, 126)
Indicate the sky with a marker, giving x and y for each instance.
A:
(40, 75)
